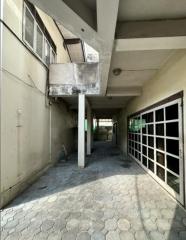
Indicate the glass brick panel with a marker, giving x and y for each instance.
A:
(144, 161)
(160, 173)
(151, 141)
(144, 139)
(160, 129)
(171, 112)
(173, 182)
(151, 129)
(173, 164)
(159, 115)
(151, 166)
(151, 153)
(160, 157)
(144, 150)
(160, 143)
(172, 146)
(172, 129)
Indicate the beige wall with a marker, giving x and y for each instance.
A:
(170, 80)
(62, 56)
(29, 125)
(13, 13)
(122, 130)
(63, 132)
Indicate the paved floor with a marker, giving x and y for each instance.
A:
(107, 200)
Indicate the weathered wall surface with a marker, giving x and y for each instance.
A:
(77, 77)
(63, 130)
(26, 127)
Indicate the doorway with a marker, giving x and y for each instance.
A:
(103, 130)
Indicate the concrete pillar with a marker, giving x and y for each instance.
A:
(81, 130)
(97, 125)
(92, 135)
(89, 130)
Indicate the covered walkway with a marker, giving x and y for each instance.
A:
(113, 198)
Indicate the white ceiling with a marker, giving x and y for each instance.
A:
(131, 79)
(90, 3)
(84, 10)
(133, 10)
(107, 107)
(102, 107)
(105, 113)
(151, 59)
(137, 66)
(72, 101)
(98, 102)
(108, 102)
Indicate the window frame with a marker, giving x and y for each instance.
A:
(44, 38)
(45, 43)
(52, 54)
(24, 26)
(132, 141)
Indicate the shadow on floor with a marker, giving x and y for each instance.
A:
(156, 214)
(105, 161)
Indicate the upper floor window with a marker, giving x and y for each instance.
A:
(47, 52)
(39, 42)
(29, 28)
(36, 35)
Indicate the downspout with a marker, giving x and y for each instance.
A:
(48, 104)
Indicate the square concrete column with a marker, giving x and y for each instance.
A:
(89, 130)
(81, 130)
(92, 131)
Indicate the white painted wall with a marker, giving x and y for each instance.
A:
(31, 130)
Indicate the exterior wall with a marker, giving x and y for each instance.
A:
(62, 56)
(26, 133)
(63, 130)
(170, 80)
(122, 130)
